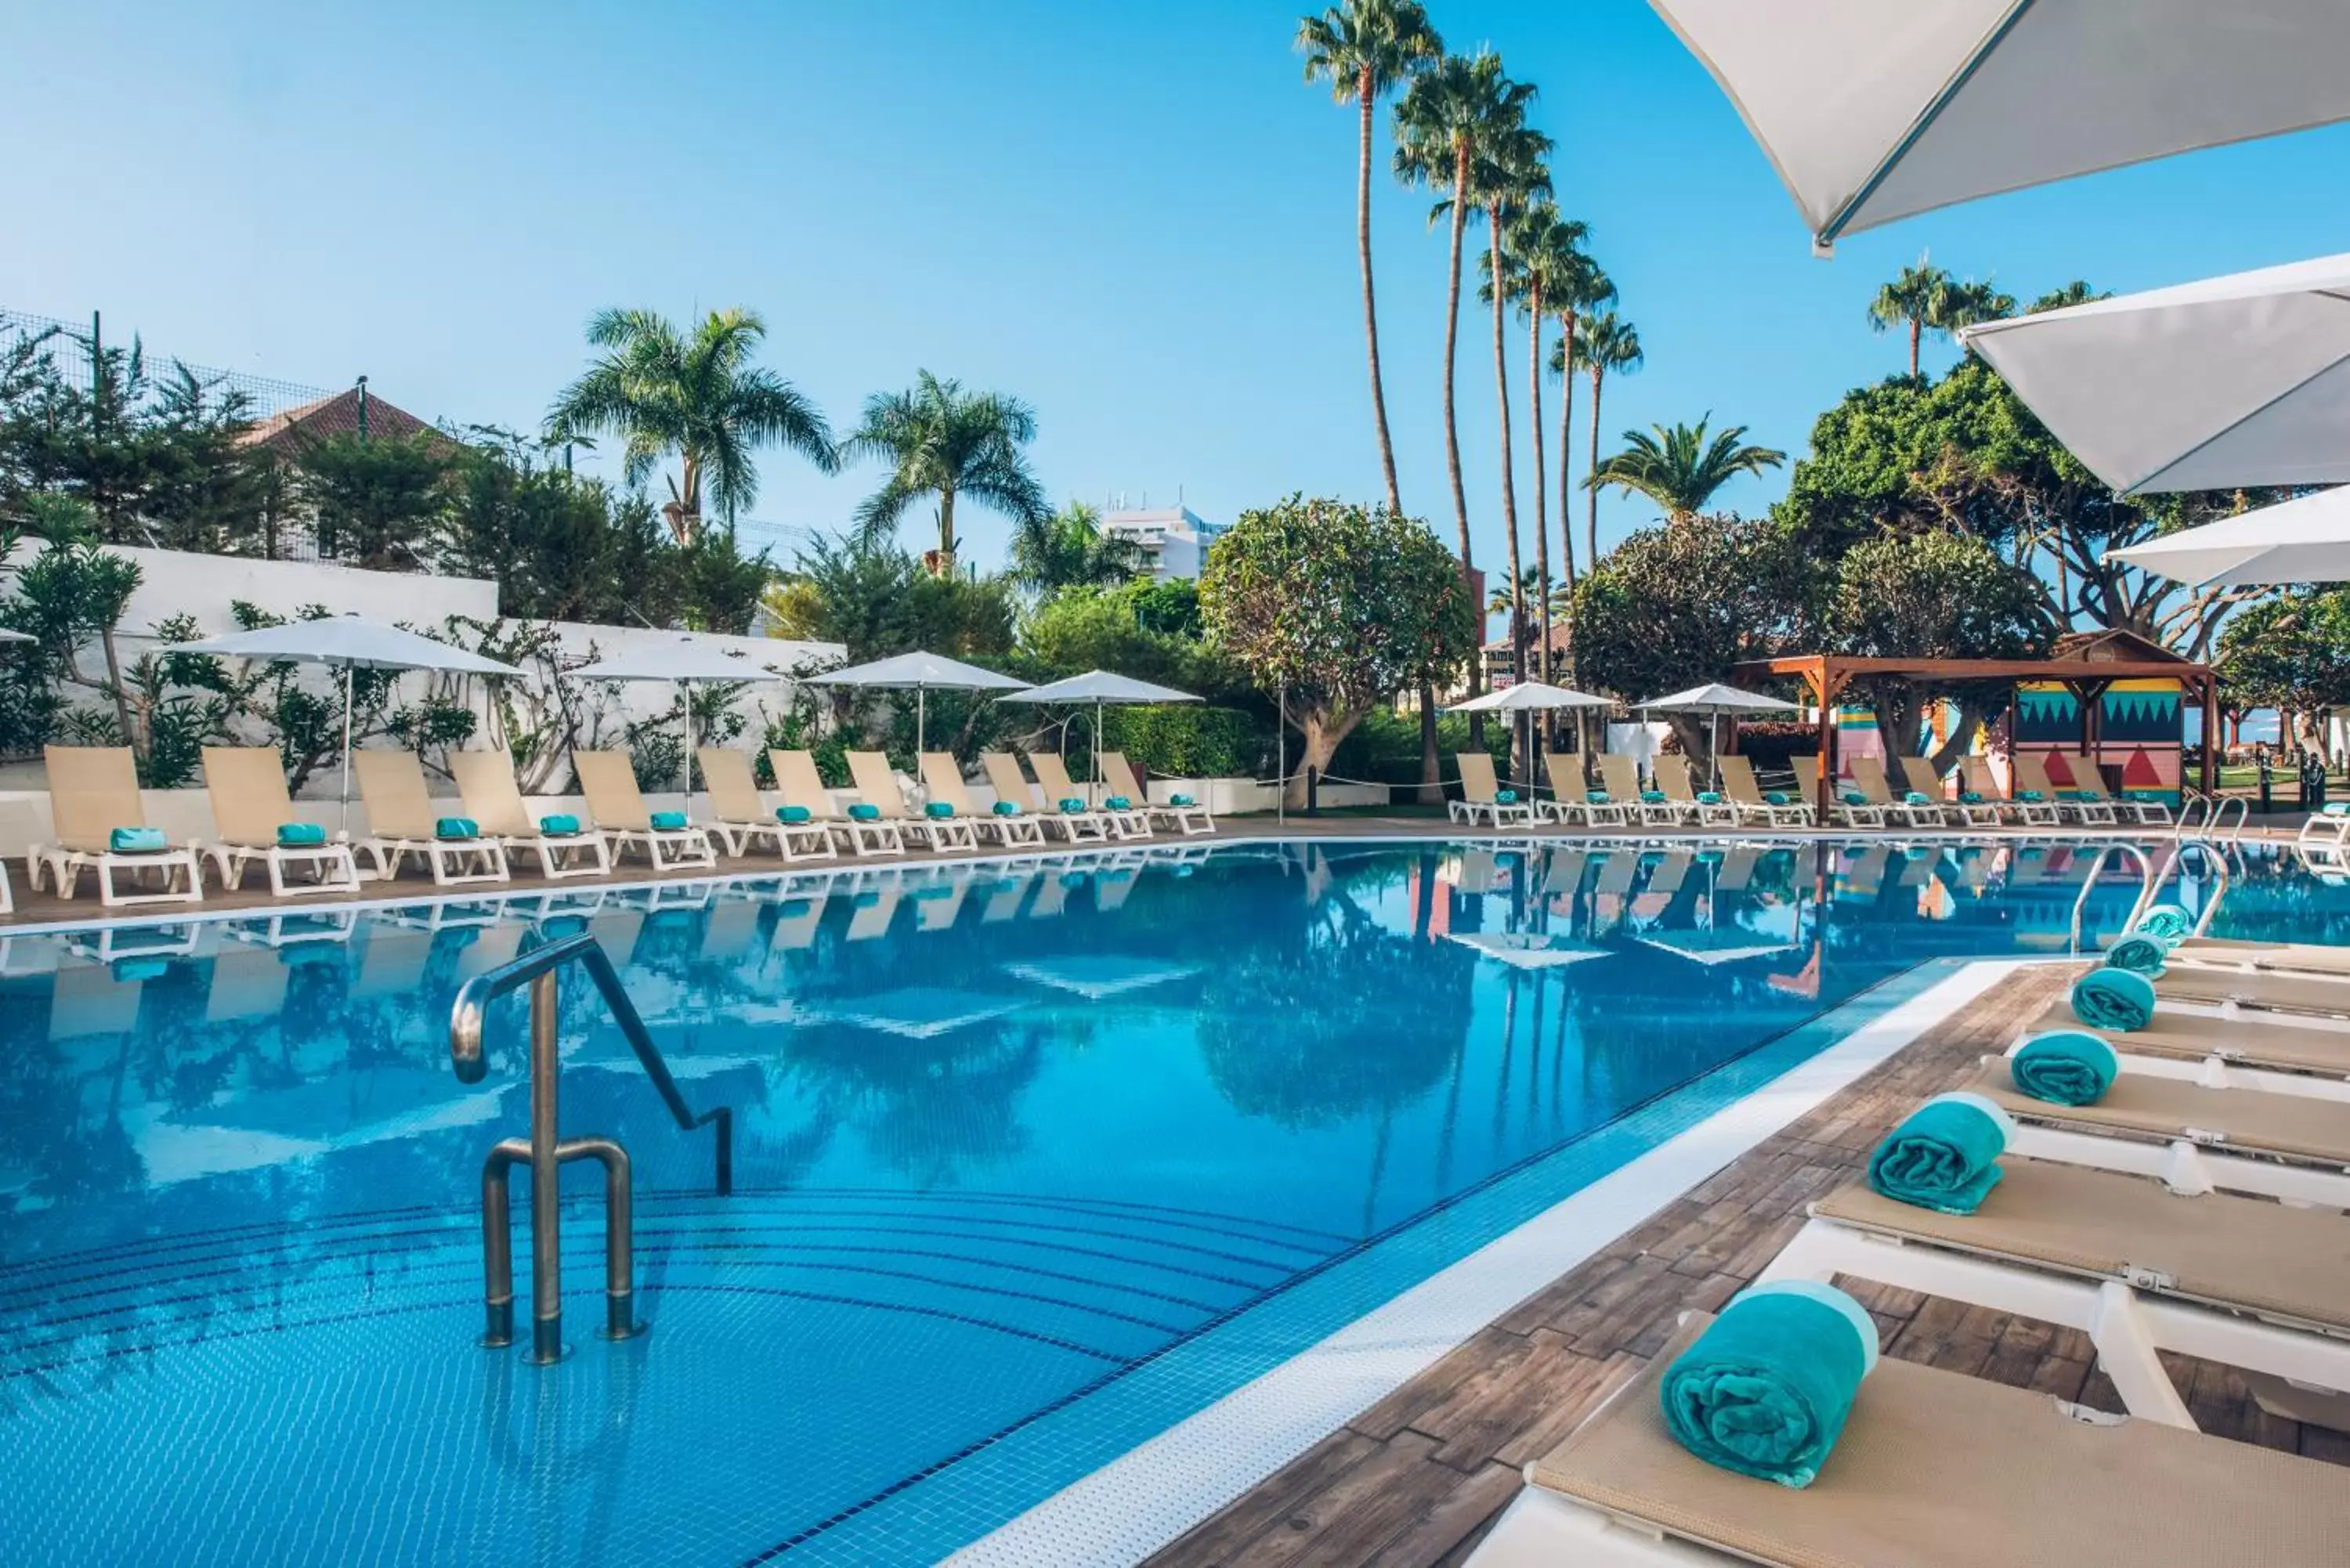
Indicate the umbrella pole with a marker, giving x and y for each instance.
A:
(345, 824)
(1097, 780)
(921, 721)
(685, 696)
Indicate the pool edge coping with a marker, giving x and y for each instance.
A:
(1171, 1483)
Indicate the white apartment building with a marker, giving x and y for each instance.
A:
(1176, 538)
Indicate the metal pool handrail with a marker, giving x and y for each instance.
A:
(2148, 885)
(545, 1151)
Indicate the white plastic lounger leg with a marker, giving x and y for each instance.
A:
(1542, 1530)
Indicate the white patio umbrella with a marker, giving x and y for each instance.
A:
(2302, 541)
(922, 673)
(1872, 111)
(345, 642)
(1101, 688)
(1714, 700)
(1528, 696)
(2233, 382)
(7, 636)
(681, 661)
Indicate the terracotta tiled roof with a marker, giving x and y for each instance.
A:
(326, 418)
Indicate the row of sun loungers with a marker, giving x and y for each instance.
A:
(1870, 800)
(2119, 1171)
(100, 823)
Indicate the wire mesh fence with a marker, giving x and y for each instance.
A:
(70, 352)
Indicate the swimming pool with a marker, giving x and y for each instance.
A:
(1033, 1161)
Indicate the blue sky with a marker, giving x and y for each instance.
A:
(1138, 218)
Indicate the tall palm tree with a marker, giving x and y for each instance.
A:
(1911, 301)
(1508, 176)
(1606, 346)
(942, 441)
(1678, 469)
(2076, 292)
(1440, 123)
(1965, 303)
(1366, 48)
(1551, 262)
(662, 391)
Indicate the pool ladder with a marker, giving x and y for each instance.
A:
(546, 1151)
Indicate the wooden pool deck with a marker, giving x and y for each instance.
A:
(1414, 1481)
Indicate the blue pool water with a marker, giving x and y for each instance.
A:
(1032, 1162)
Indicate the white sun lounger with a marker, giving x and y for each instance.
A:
(401, 823)
(1570, 797)
(2283, 1053)
(2277, 958)
(1917, 776)
(1673, 777)
(1746, 797)
(246, 786)
(2249, 1283)
(1620, 777)
(942, 780)
(798, 782)
(1868, 777)
(876, 784)
(1188, 820)
(1933, 1470)
(1480, 794)
(1975, 774)
(486, 780)
(2319, 996)
(1004, 778)
(1053, 780)
(2030, 773)
(93, 790)
(742, 820)
(608, 780)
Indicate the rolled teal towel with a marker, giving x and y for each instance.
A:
(1005, 808)
(562, 824)
(938, 810)
(1944, 1156)
(794, 815)
(137, 840)
(2065, 1067)
(2113, 999)
(456, 827)
(1653, 796)
(1071, 805)
(1971, 796)
(2335, 808)
(1709, 797)
(1766, 1389)
(1777, 797)
(2032, 794)
(301, 834)
(2165, 922)
(1180, 800)
(1854, 797)
(865, 811)
(1505, 797)
(668, 822)
(1595, 796)
(2140, 954)
(2074, 794)
(1118, 803)
(1915, 798)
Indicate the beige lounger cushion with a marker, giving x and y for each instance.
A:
(943, 781)
(1004, 776)
(609, 781)
(799, 783)
(246, 786)
(391, 786)
(2282, 992)
(2256, 1042)
(1939, 1471)
(2246, 1120)
(93, 790)
(2314, 956)
(486, 780)
(876, 783)
(2219, 1249)
(733, 793)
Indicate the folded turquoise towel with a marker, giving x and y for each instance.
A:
(1854, 797)
(2165, 922)
(2335, 808)
(562, 824)
(1119, 803)
(668, 822)
(2140, 954)
(456, 827)
(137, 840)
(1505, 797)
(2074, 794)
(2033, 794)
(1766, 1389)
(865, 811)
(1944, 1156)
(1971, 796)
(1595, 796)
(1709, 797)
(794, 814)
(1071, 805)
(2065, 1067)
(1180, 800)
(1777, 797)
(938, 810)
(301, 834)
(2113, 999)
(1653, 796)
(1005, 808)
(1916, 798)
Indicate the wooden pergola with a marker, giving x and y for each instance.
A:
(1826, 675)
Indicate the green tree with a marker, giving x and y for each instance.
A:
(377, 504)
(1068, 549)
(1909, 302)
(1606, 346)
(696, 395)
(2291, 653)
(1678, 469)
(872, 597)
(943, 442)
(1364, 49)
(1341, 606)
(1553, 273)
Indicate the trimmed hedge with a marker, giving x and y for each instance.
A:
(1181, 740)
